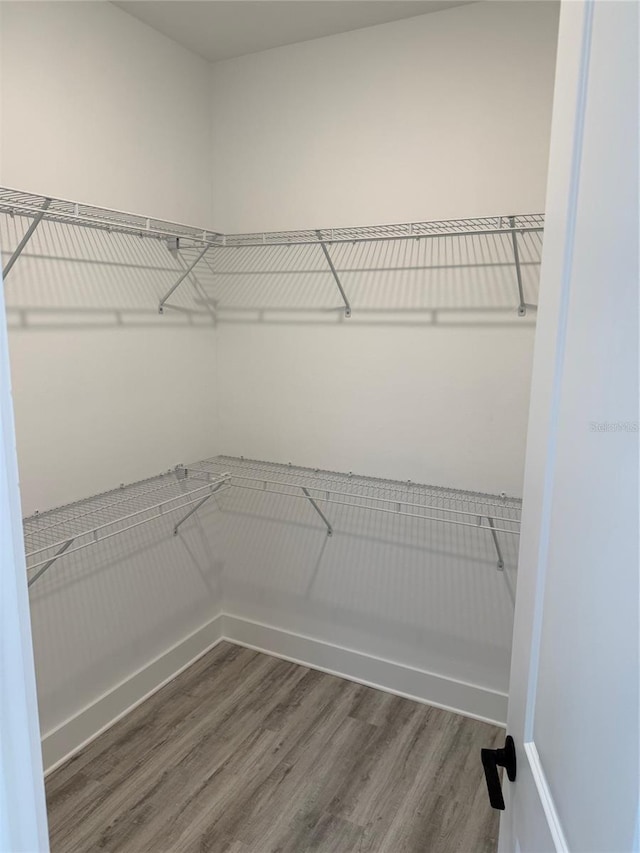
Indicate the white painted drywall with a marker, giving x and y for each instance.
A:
(440, 116)
(445, 115)
(98, 107)
(428, 597)
(101, 615)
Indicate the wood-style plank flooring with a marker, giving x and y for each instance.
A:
(246, 753)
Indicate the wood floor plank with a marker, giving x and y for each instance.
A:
(265, 801)
(211, 748)
(247, 753)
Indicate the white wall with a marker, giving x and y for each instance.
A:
(425, 596)
(444, 115)
(98, 107)
(433, 117)
(106, 390)
(102, 616)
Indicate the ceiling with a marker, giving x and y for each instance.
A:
(222, 29)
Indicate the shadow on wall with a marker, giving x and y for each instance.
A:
(74, 276)
(100, 614)
(425, 594)
(452, 280)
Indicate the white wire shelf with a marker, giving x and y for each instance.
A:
(522, 223)
(57, 533)
(490, 514)
(16, 202)
(184, 237)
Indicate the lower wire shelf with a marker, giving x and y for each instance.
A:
(65, 530)
(498, 516)
(54, 534)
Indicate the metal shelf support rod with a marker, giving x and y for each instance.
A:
(26, 238)
(50, 562)
(197, 506)
(182, 278)
(347, 306)
(319, 511)
(496, 543)
(522, 308)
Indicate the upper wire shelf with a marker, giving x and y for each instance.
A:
(523, 223)
(16, 202)
(50, 535)
(39, 207)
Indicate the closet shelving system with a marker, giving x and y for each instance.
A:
(62, 531)
(176, 495)
(57, 533)
(183, 237)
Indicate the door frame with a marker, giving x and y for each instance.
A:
(23, 815)
(534, 809)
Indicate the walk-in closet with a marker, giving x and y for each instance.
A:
(272, 280)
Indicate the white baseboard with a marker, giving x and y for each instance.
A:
(59, 744)
(471, 700)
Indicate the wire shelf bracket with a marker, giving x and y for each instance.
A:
(500, 563)
(184, 275)
(323, 245)
(203, 500)
(522, 307)
(319, 511)
(50, 562)
(28, 235)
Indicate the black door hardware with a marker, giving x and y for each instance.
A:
(491, 760)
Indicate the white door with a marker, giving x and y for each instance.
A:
(573, 707)
(23, 818)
